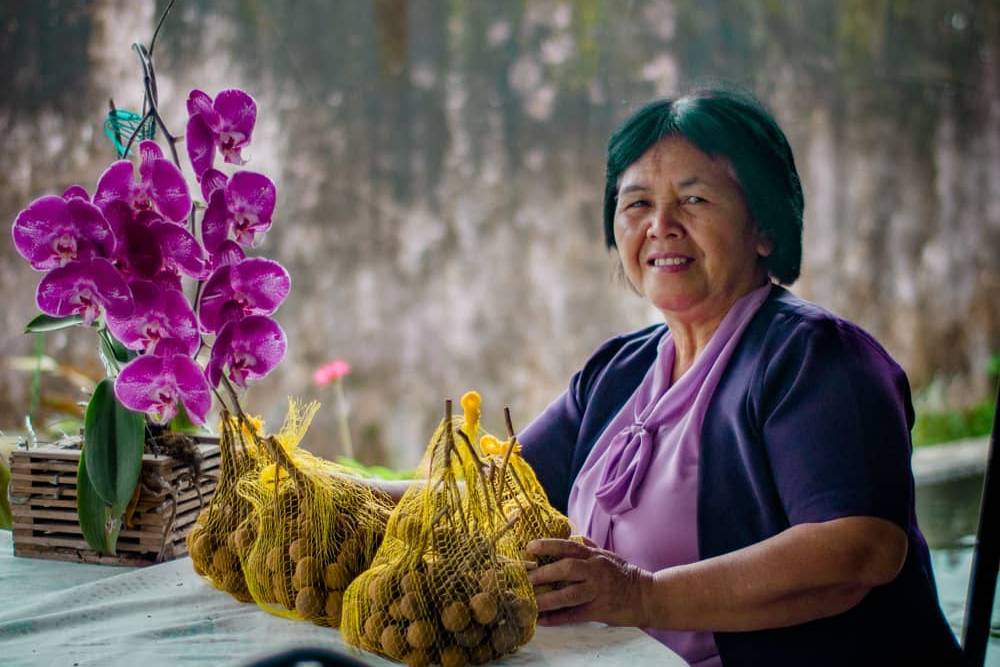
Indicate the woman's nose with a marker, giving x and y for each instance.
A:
(663, 223)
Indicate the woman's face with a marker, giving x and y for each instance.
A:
(684, 232)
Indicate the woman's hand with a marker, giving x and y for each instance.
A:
(591, 584)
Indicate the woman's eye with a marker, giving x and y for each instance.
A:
(636, 204)
(692, 199)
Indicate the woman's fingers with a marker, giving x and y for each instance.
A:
(557, 548)
(573, 595)
(565, 569)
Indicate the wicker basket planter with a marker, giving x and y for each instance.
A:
(43, 499)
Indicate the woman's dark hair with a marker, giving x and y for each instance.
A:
(733, 126)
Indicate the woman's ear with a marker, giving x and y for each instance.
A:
(764, 246)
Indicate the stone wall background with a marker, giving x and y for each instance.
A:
(440, 173)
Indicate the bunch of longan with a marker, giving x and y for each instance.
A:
(309, 556)
(454, 603)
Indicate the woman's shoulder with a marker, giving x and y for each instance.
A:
(791, 323)
(622, 347)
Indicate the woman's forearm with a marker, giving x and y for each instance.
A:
(807, 572)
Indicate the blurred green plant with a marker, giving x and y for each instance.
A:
(376, 471)
(932, 428)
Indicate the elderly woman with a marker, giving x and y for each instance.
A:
(742, 471)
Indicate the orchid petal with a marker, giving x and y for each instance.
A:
(141, 252)
(199, 102)
(212, 180)
(149, 152)
(169, 190)
(180, 249)
(229, 252)
(215, 223)
(200, 142)
(214, 295)
(194, 390)
(263, 282)
(135, 381)
(237, 112)
(116, 183)
(75, 191)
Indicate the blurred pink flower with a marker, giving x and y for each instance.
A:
(330, 371)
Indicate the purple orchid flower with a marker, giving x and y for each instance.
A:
(243, 206)
(249, 349)
(53, 232)
(88, 288)
(157, 385)
(152, 247)
(226, 123)
(161, 317)
(160, 183)
(254, 286)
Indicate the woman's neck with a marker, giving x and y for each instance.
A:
(692, 334)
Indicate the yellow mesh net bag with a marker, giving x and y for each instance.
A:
(214, 540)
(448, 586)
(314, 529)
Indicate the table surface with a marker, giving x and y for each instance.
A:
(59, 613)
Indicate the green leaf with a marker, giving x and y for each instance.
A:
(113, 439)
(100, 527)
(6, 516)
(45, 323)
(183, 424)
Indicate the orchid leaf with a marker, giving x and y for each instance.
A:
(45, 323)
(99, 525)
(114, 440)
(6, 516)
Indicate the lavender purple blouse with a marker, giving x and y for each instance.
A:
(808, 420)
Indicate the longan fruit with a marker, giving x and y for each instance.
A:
(201, 548)
(470, 636)
(336, 576)
(374, 625)
(417, 658)
(504, 638)
(297, 549)
(560, 527)
(409, 606)
(243, 539)
(420, 634)
(334, 606)
(224, 560)
(484, 607)
(309, 571)
(283, 591)
(523, 612)
(348, 553)
(480, 654)
(309, 603)
(395, 611)
(455, 617)
(274, 560)
(453, 656)
(526, 633)
(414, 582)
(380, 590)
(393, 642)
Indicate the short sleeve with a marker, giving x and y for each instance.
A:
(548, 443)
(836, 415)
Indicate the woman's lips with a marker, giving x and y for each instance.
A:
(670, 263)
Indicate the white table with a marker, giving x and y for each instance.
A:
(57, 613)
